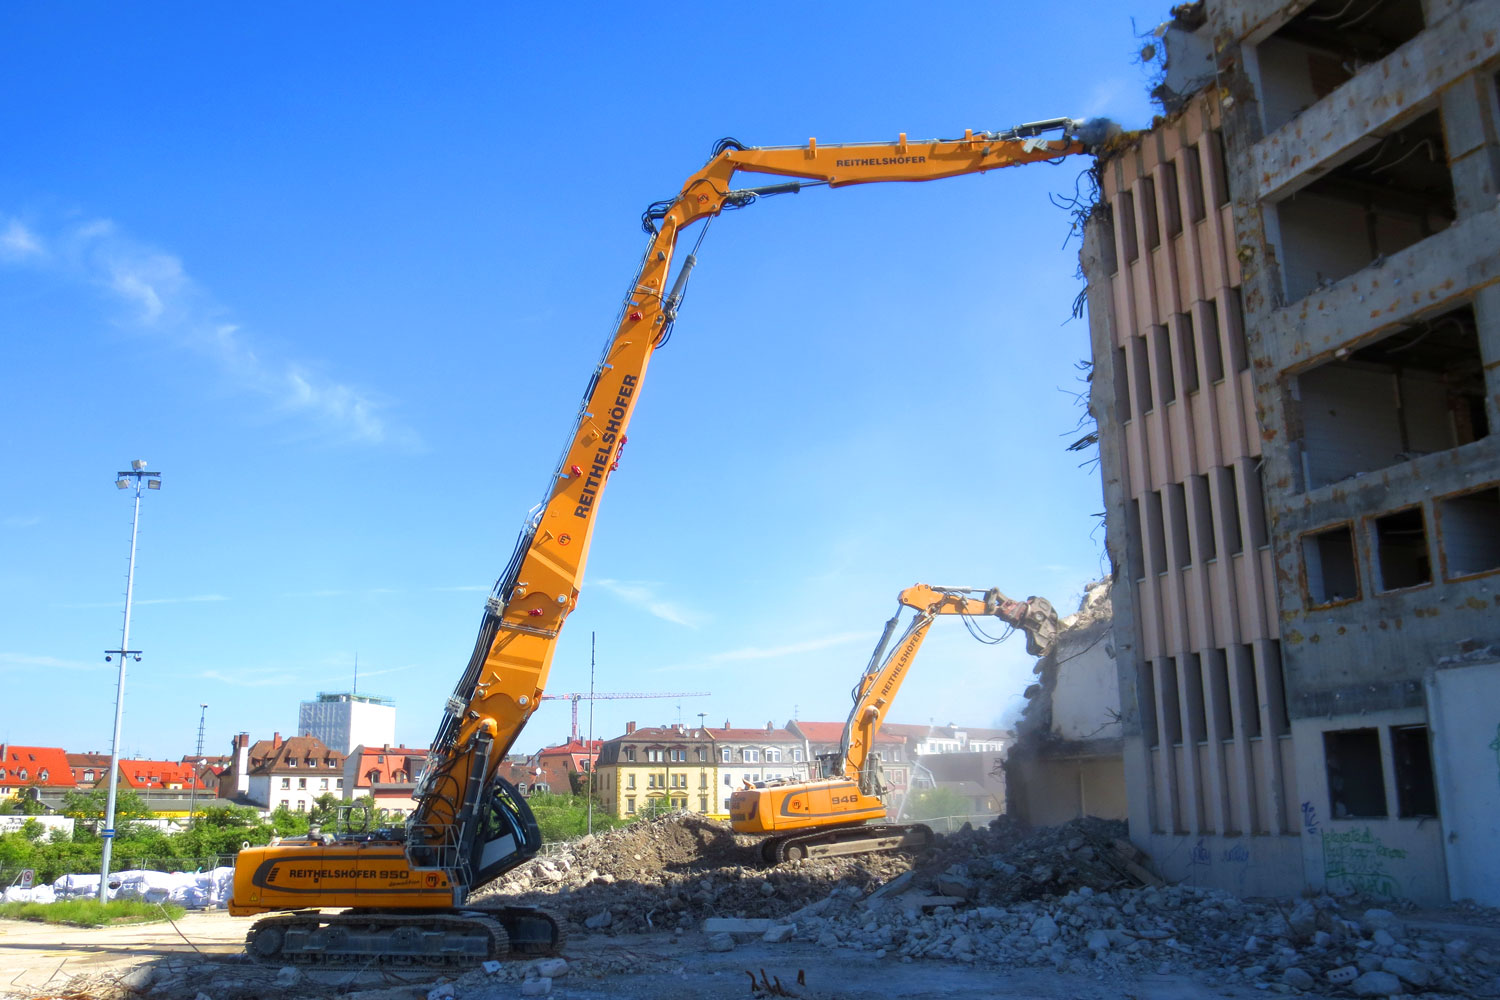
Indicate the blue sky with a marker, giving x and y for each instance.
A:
(341, 272)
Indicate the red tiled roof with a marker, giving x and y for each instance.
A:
(291, 755)
(159, 774)
(754, 735)
(833, 732)
(44, 766)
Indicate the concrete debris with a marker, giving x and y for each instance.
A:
(288, 975)
(550, 968)
(442, 991)
(536, 987)
(1071, 898)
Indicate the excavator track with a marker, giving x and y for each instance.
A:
(847, 840)
(449, 940)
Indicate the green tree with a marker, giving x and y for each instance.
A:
(933, 803)
(23, 803)
(93, 803)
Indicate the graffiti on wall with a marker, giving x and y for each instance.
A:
(1356, 859)
(1309, 819)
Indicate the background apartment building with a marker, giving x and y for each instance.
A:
(345, 720)
(656, 769)
(1296, 333)
(753, 755)
(277, 773)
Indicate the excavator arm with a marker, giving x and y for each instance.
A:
(825, 815)
(879, 684)
(507, 673)
(470, 825)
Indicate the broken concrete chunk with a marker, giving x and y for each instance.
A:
(492, 967)
(1342, 976)
(536, 987)
(288, 975)
(1408, 970)
(1298, 979)
(599, 921)
(737, 925)
(442, 991)
(139, 979)
(777, 933)
(550, 968)
(721, 942)
(1376, 984)
(1044, 928)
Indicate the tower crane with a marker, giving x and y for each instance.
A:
(575, 697)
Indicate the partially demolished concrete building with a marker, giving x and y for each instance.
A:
(1295, 319)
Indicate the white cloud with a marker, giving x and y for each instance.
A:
(161, 297)
(18, 242)
(20, 661)
(254, 678)
(791, 649)
(643, 596)
(195, 599)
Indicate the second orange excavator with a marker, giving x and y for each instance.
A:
(839, 809)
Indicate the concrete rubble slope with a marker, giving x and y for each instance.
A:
(680, 907)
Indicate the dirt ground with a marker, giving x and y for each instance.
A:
(38, 961)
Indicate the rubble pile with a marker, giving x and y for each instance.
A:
(1075, 897)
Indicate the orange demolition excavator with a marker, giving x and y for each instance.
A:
(401, 896)
(827, 815)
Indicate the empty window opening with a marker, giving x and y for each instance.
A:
(1469, 532)
(1401, 549)
(1234, 330)
(1156, 535)
(1281, 723)
(1141, 367)
(1148, 214)
(1218, 693)
(1134, 546)
(1396, 192)
(1229, 511)
(1255, 505)
(1200, 505)
(1411, 761)
(1146, 684)
(1171, 706)
(1171, 199)
(1213, 354)
(1123, 410)
(1330, 570)
(1324, 46)
(1126, 215)
(1218, 172)
(1414, 392)
(1177, 500)
(1192, 168)
(1192, 694)
(1166, 384)
(1356, 777)
(1187, 347)
(1248, 689)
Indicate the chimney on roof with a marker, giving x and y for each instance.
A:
(275, 740)
(629, 728)
(769, 726)
(726, 723)
(242, 740)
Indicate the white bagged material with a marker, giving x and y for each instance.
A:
(194, 890)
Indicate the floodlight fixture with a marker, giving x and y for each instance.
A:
(138, 464)
(122, 484)
(153, 484)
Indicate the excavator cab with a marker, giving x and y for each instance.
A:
(508, 834)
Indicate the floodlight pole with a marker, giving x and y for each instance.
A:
(143, 480)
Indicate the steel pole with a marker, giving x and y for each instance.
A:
(114, 755)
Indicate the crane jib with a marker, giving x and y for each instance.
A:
(599, 466)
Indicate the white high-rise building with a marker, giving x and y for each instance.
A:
(345, 720)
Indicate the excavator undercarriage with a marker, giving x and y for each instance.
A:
(447, 939)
